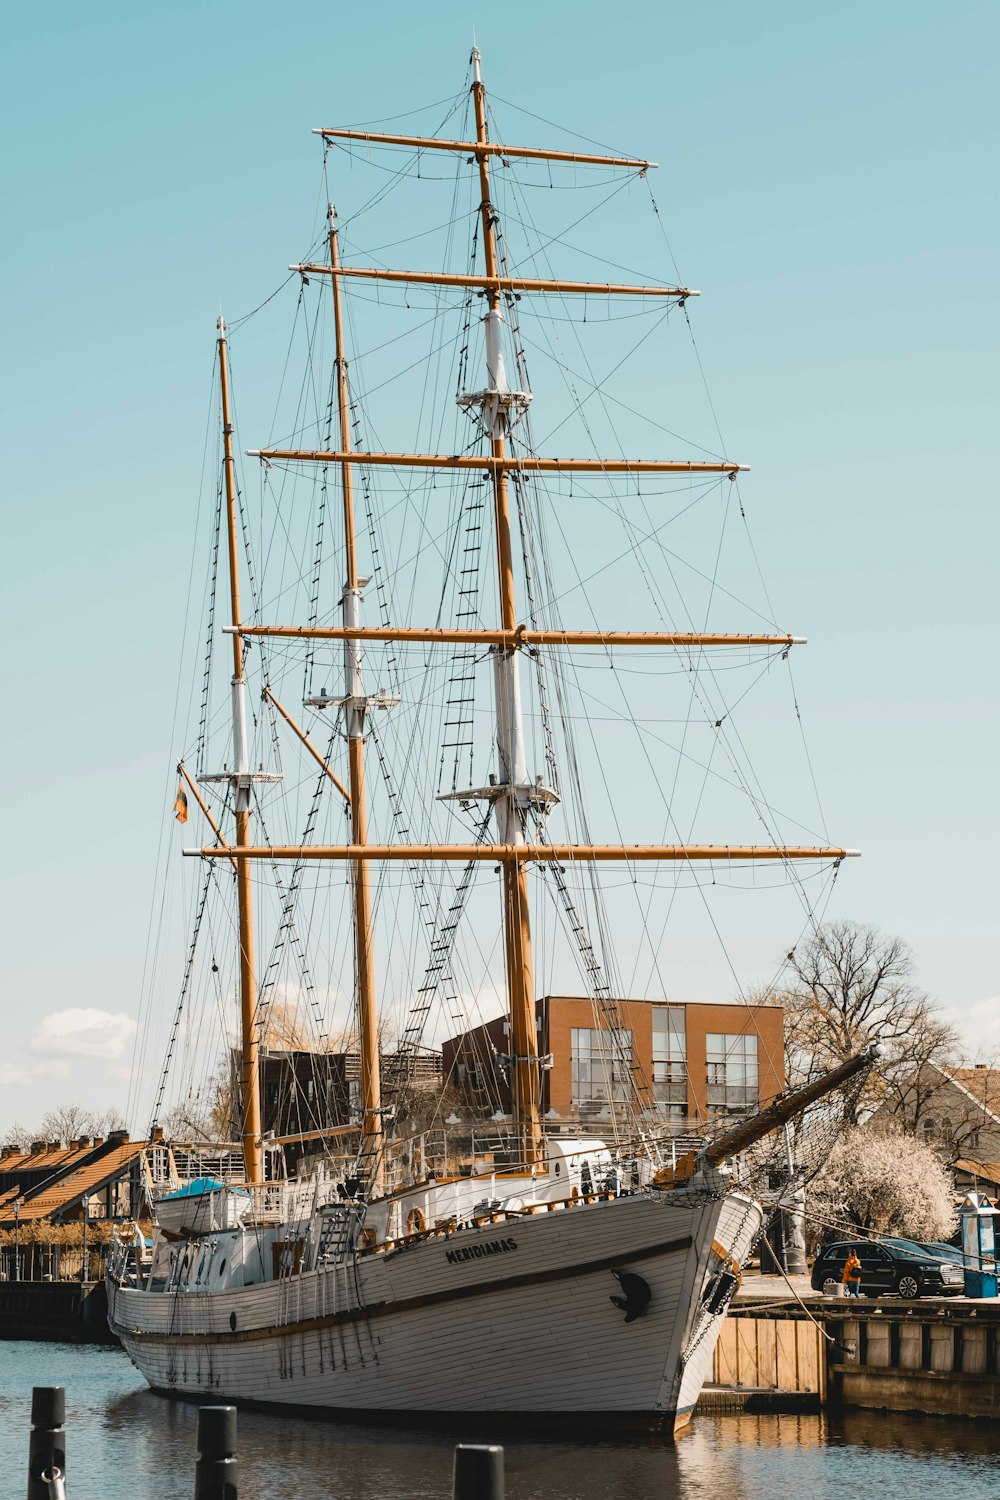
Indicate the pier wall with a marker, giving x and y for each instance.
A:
(935, 1356)
(74, 1311)
(771, 1354)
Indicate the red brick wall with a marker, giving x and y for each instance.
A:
(559, 1014)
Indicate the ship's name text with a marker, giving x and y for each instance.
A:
(477, 1252)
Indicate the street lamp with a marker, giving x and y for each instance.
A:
(85, 1205)
(16, 1207)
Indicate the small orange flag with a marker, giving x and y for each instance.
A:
(181, 805)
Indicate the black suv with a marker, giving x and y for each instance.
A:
(900, 1266)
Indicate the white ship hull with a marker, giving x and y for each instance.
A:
(510, 1318)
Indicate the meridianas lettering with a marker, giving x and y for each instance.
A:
(476, 1252)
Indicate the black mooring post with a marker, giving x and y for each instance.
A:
(478, 1472)
(215, 1471)
(47, 1446)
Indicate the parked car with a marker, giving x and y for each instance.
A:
(887, 1266)
(937, 1249)
(948, 1252)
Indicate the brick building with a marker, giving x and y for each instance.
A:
(682, 1063)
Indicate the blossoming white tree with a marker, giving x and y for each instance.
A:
(883, 1182)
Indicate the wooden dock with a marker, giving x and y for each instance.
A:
(784, 1352)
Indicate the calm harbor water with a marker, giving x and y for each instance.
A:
(123, 1440)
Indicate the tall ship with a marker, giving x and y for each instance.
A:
(428, 781)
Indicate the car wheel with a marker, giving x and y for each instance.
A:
(908, 1285)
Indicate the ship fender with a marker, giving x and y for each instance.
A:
(719, 1291)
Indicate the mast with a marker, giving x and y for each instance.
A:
(355, 705)
(512, 794)
(240, 780)
(512, 802)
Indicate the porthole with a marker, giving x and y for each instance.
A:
(222, 1266)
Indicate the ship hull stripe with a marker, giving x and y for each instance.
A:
(408, 1304)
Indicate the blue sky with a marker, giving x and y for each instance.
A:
(828, 178)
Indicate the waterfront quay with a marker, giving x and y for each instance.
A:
(786, 1348)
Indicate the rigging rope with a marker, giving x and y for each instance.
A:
(182, 998)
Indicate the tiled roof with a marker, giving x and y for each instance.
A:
(53, 1197)
(989, 1171)
(982, 1083)
(47, 1160)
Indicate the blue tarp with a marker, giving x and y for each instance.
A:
(199, 1188)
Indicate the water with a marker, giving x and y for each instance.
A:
(122, 1440)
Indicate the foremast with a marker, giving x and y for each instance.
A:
(241, 780)
(356, 706)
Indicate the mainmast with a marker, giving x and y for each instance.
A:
(241, 780)
(515, 793)
(356, 706)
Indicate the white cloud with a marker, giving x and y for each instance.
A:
(13, 1075)
(979, 1025)
(84, 1032)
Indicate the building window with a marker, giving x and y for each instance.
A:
(732, 1072)
(471, 1070)
(670, 1087)
(602, 1068)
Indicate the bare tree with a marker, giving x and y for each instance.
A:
(67, 1121)
(853, 986)
(207, 1113)
(109, 1120)
(287, 1025)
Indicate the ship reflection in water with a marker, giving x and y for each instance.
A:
(123, 1439)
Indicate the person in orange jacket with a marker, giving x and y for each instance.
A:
(852, 1274)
